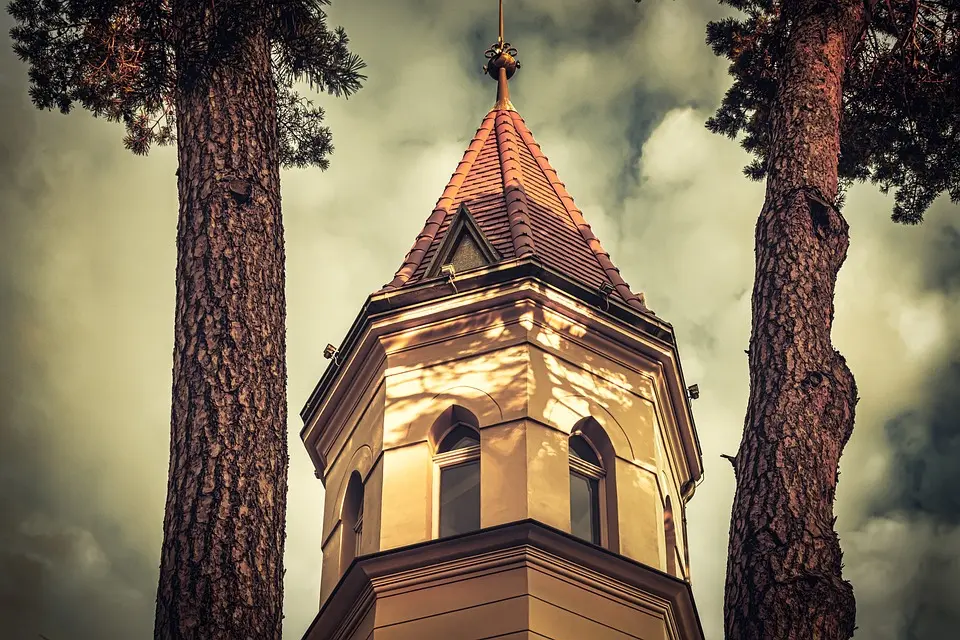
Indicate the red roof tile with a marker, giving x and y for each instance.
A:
(522, 208)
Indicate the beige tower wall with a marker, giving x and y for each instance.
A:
(546, 462)
(529, 367)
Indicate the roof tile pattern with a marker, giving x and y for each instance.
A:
(522, 208)
(514, 193)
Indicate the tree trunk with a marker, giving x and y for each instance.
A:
(784, 569)
(221, 570)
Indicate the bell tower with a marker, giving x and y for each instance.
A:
(504, 435)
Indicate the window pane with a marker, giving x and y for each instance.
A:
(460, 498)
(585, 507)
(460, 437)
(580, 449)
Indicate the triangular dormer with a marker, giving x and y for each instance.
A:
(519, 205)
(464, 246)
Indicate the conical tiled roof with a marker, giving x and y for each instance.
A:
(519, 204)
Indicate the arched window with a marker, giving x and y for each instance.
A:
(458, 461)
(351, 521)
(586, 479)
(670, 535)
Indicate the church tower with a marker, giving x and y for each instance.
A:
(504, 436)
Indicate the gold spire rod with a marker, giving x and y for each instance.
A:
(500, 39)
(501, 65)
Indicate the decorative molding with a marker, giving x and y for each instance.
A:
(593, 404)
(584, 468)
(504, 274)
(496, 549)
(463, 223)
(351, 396)
(355, 615)
(450, 571)
(470, 398)
(457, 456)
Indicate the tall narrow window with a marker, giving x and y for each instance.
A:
(458, 459)
(351, 521)
(358, 531)
(586, 477)
(670, 535)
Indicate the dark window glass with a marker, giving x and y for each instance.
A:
(460, 437)
(460, 498)
(581, 449)
(358, 531)
(585, 507)
(352, 521)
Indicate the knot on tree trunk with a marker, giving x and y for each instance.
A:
(824, 215)
(813, 380)
(241, 189)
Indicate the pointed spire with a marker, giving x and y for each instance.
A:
(502, 63)
(516, 207)
(505, 202)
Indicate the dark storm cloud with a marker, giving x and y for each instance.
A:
(921, 488)
(925, 442)
(602, 27)
(942, 269)
(22, 574)
(64, 572)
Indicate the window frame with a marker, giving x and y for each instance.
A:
(671, 550)
(581, 467)
(447, 460)
(358, 532)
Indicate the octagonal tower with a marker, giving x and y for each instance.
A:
(504, 435)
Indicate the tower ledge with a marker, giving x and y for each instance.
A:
(519, 580)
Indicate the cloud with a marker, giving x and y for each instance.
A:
(910, 565)
(616, 94)
(911, 520)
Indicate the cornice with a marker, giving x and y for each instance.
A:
(348, 614)
(503, 285)
(506, 271)
(525, 543)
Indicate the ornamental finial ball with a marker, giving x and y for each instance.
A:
(504, 58)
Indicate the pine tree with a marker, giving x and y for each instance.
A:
(825, 93)
(216, 78)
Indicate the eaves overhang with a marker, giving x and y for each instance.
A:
(377, 575)
(380, 305)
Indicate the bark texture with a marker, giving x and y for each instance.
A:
(221, 563)
(784, 569)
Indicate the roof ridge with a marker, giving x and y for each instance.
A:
(440, 212)
(576, 216)
(518, 209)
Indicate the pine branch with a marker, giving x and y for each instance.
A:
(116, 59)
(901, 118)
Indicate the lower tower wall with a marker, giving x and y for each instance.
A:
(522, 580)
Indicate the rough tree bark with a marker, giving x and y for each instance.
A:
(784, 569)
(221, 563)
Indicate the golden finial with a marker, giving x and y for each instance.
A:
(502, 63)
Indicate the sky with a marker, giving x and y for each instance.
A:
(616, 93)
